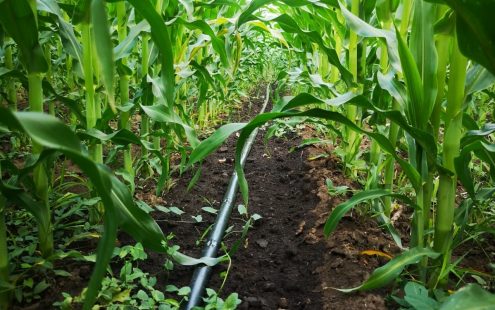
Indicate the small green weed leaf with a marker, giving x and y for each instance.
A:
(470, 297)
(231, 302)
(162, 208)
(210, 210)
(184, 291)
(256, 217)
(417, 297)
(242, 209)
(142, 295)
(40, 287)
(171, 288)
(198, 218)
(176, 210)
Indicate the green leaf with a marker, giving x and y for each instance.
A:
(210, 144)
(288, 24)
(414, 84)
(184, 291)
(176, 210)
(210, 210)
(231, 302)
(66, 30)
(162, 113)
(40, 287)
(217, 43)
(14, 13)
(417, 297)
(160, 35)
(343, 208)
(125, 47)
(423, 50)
(104, 47)
(475, 31)
(391, 270)
(470, 297)
(364, 29)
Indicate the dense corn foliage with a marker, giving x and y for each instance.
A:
(126, 90)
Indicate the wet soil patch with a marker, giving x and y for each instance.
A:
(285, 263)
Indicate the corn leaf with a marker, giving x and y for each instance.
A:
(216, 42)
(104, 47)
(423, 50)
(475, 31)
(18, 12)
(339, 211)
(160, 35)
(159, 113)
(125, 47)
(414, 85)
(364, 29)
(210, 144)
(66, 30)
(391, 270)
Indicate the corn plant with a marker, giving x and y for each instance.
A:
(96, 65)
(133, 84)
(416, 39)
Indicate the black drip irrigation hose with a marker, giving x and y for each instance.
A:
(202, 274)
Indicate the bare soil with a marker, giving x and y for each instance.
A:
(285, 263)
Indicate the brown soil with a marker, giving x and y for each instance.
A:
(285, 262)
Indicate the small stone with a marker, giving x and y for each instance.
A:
(283, 303)
(223, 149)
(263, 243)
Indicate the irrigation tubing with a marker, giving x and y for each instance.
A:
(202, 274)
